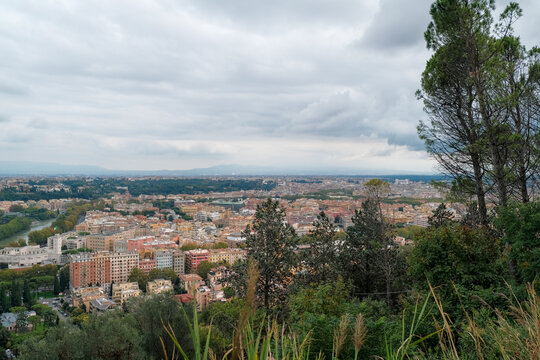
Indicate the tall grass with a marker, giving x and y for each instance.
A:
(514, 335)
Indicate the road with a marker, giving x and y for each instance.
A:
(55, 305)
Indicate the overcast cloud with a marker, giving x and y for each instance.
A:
(177, 84)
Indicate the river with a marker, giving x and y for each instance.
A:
(24, 234)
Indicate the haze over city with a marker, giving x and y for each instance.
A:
(193, 84)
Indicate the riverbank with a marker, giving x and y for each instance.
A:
(37, 225)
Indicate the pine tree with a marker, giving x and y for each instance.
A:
(441, 216)
(321, 259)
(271, 243)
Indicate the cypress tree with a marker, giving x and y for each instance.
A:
(56, 289)
(27, 294)
(4, 300)
(15, 293)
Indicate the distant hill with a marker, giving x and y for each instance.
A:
(28, 168)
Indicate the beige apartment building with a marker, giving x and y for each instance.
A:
(191, 282)
(230, 256)
(123, 291)
(159, 286)
(122, 264)
(179, 262)
(85, 295)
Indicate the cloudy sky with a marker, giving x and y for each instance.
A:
(178, 84)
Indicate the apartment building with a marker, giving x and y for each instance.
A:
(230, 256)
(101, 268)
(102, 242)
(147, 264)
(159, 286)
(191, 282)
(194, 258)
(85, 295)
(164, 259)
(179, 262)
(89, 269)
(106, 241)
(122, 264)
(123, 291)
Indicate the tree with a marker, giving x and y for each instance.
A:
(15, 293)
(28, 299)
(63, 276)
(204, 268)
(56, 286)
(140, 277)
(4, 300)
(34, 320)
(150, 314)
(480, 91)
(167, 274)
(5, 336)
(320, 261)
(16, 208)
(228, 292)
(520, 224)
(371, 255)
(220, 245)
(271, 242)
(440, 217)
(469, 258)
(359, 251)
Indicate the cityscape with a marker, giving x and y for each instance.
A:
(289, 180)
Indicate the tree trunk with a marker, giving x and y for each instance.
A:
(480, 194)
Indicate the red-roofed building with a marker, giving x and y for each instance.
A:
(184, 298)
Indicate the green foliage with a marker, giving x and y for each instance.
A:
(4, 300)
(140, 277)
(16, 208)
(409, 232)
(224, 317)
(56, 286)
(100, 187)
(440, 217)
(321, 259)
(470, 258)
(111, 336)
(17, 243)
(39, 213)
(166, 274)
(204, 268)
(15, 225)
(220, 245)
(363, 250)
(63, 276)
(521, 226)
(40, 236)
(271, 245)
(151, 315)
(28, 299)
(15, 294)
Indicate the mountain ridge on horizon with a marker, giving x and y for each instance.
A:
(31, 168)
